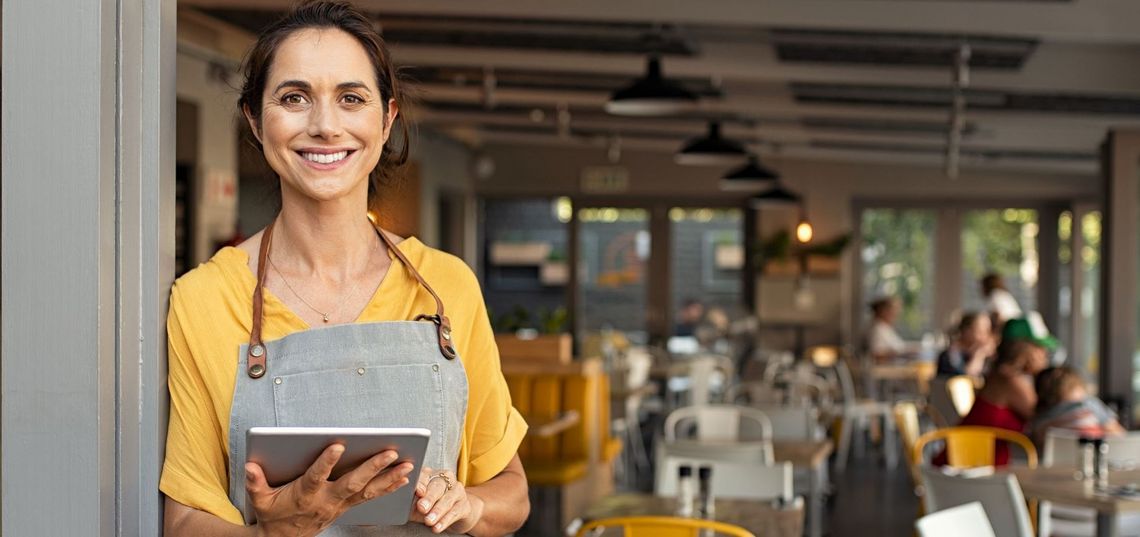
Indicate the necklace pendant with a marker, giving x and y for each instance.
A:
(326, 316)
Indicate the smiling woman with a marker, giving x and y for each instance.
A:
(321, 98)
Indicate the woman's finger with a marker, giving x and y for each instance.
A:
(444, 506)
(459, 510)
(318, 472)
(256, 485)
(434, 490)
(386, 482)
(421, 484)
(356, 479)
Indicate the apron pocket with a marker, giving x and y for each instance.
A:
(366, 396)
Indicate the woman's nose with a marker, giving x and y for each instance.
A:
(324, 121)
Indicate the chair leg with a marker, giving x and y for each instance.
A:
(844, 444)
(890, 451)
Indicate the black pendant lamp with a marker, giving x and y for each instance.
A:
(751, 176)
(651, 95)
(710, 150)
(775, 197)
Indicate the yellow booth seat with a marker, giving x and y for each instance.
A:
(568, 469)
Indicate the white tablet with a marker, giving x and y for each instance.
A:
(286, 452)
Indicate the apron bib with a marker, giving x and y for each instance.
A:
(385, 374)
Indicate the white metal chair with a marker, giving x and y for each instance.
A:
(720, 430)
(1000, 493)
(730, 479)
(967, 519)
(1060, 449)
(720, 422)
(793, 422)
(856, 415)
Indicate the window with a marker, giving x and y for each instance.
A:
(898, 261)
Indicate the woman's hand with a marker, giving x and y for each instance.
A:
(311, 503)
(443, 504)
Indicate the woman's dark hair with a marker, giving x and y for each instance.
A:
(991, 282)
(1014, 353)
(339, 15)
(1053, 384)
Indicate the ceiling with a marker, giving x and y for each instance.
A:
(846, 79)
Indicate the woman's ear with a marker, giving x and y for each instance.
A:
(393, 111)
(253, 126)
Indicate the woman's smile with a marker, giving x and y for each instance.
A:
(324, 159)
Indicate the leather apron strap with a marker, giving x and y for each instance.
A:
(257, 353)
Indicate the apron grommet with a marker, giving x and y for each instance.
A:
(277, 380)
(435, 367)
(360, 371)
(256, 370)
(257, 351)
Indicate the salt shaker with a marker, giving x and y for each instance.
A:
(685, 491)
(708, 503)
(1101, 463)
(1086, 457)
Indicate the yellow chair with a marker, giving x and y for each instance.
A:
(906, 421)
(663, 526)
(961, 389)
(973, 446)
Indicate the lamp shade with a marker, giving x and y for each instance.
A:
(751, 176)
(776, 196)
(651, 95)
(710, 150)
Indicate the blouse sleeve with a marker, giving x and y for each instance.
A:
(194, 472)
(494, 428)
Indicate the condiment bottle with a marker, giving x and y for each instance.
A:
(685, 491)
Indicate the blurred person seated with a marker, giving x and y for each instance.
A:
(1009, 399)
(1063, 402)
(688, 318)
(883, 343)
(999, 301)
(972, 347)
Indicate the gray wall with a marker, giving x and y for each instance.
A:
(87, 257)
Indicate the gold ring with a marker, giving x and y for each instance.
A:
(446, 479)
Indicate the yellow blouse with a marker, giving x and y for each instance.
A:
(209, 319)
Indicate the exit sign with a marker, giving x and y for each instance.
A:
(604, 179)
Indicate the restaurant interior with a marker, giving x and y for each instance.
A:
(755, 266)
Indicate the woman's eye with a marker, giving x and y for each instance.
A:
(353, 99)
(293, 98)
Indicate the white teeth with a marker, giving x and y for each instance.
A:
(325, 158)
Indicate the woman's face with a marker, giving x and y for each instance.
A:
(323, 122)
(979, 332)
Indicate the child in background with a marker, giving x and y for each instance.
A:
(1063, 402)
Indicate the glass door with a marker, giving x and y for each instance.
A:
(613, 272)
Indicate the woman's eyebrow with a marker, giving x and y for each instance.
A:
(299, 84)
(354, 84)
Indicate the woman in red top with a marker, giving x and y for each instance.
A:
(1008, 399)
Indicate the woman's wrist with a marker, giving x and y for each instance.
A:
(476, 516)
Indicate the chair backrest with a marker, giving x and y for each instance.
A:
(663, 526)
(720, 422)
(752, 452)
(907, 424)
(846, 383)
(962, 390)
(1000, 494)
(972, 446)
(753, 481)
(753, 393)
(967, 519)
(705, 370)
(1061, 446)
(793, 422)
(945, 413)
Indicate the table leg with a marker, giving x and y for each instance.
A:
(1106, 525)
(815, 499)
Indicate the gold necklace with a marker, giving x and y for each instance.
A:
(324, 316)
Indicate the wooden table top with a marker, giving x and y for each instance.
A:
(803, 453)
(1058, 484)
(759, 517)
(547, 427)
(904, 371)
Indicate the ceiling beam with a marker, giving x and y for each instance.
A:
(1102, 21)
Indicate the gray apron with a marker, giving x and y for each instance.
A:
(386, 374)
